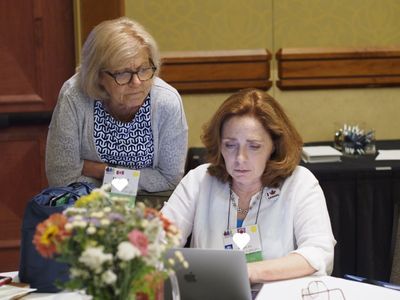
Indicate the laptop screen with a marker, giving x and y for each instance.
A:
(212, 274)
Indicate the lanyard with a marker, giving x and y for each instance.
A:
(231, 199)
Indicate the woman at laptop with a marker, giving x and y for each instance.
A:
(252, 195)
(115, 111)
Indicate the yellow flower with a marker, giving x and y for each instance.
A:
(48, 235)
(85, 200)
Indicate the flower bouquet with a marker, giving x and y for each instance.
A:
(114, 250)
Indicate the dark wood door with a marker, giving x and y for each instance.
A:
(22, 176)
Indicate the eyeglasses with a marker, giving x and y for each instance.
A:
(317, 290)
(125, 77)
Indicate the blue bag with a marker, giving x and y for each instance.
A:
(40, 272)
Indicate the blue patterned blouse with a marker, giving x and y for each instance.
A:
(124, 144)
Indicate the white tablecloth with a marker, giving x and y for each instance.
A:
(285, 289)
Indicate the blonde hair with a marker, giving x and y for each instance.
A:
(287, 141)
(110, 45)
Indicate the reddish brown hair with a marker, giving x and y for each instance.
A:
(287, 141)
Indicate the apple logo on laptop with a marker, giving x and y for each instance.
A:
(190, 277)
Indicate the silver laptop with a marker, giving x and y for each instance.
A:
(212, 274)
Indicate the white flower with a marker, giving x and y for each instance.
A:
(97, 214)
(109, 277)
(154, 254)
(107, 209)
(172, 229)
(154, 229)
(91, 230)
(175, 240)
(75, 272)
(171, 261)
(94, 257)
(79, 224)
(140, 205)
(179, 256)
(181, 259)
(68, 227)
(104, 188)
(144, 223)
(126, 251)
(105, 222)
(72, 210)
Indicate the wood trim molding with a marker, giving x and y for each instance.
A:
(316, 68)
(18, 99)
(89, 13)
(216, 71)
(7, 244)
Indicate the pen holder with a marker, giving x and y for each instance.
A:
(354, 140)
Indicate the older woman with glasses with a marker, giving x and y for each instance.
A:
(115, 111)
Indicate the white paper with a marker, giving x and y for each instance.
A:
(388, 155)
(10, 292)
(320, 154)
(321, 151)
(352, 290)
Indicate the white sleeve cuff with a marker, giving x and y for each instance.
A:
(320, 259)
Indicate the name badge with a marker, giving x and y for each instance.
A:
(123, 181)
(245, 238)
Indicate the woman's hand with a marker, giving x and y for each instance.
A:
(93, 169)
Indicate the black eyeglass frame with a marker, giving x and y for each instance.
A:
(114, 75)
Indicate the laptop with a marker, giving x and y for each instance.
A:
(212, 274)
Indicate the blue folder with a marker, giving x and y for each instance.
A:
(373, 281)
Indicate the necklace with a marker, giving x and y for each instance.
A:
(238, 208)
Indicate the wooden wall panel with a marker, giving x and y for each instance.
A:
(9, 256)
(216, 71)
(36, 53)
(92, 12)
(313, 68)
(22, 173)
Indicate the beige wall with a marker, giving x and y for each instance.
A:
(272, 24)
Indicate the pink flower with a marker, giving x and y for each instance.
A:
(139, 240)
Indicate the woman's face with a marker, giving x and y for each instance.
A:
(246, 147)
(128, 98)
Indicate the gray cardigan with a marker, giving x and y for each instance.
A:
(70, 138)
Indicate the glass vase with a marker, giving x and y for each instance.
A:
(159, 292)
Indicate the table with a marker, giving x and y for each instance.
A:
(284, 289)
(363, 197)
